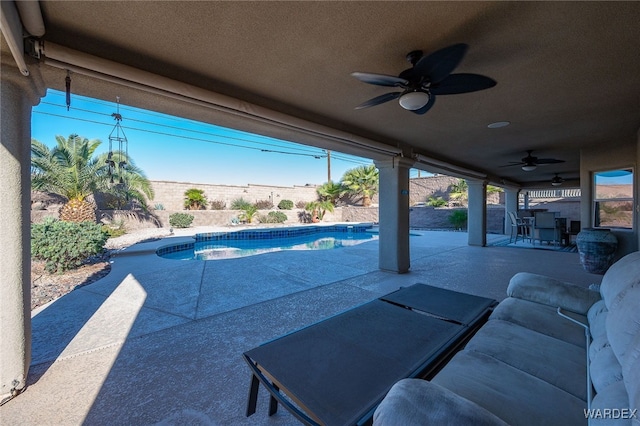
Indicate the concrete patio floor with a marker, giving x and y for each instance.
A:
(159, 341)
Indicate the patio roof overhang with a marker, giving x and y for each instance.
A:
(567, 73)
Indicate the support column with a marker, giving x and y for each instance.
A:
(394, 214)
(510, 205)
(477, 217)
(19, 94)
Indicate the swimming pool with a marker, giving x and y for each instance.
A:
(229, 245)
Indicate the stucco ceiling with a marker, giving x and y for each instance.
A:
(568, 73)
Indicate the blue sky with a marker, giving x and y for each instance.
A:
(175, 149)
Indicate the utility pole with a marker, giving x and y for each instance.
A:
(328, 166)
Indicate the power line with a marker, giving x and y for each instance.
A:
(175, 128)
(283, 145)
(172, 135)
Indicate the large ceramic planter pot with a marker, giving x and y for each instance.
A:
(597, 247)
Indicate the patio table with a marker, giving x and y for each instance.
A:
(336, 372)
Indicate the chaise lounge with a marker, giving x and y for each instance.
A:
(528, 363)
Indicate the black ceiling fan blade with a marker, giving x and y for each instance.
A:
(380, 79)
(379, 100)
(519, 163)
(545, 161)
(438, 65)
(427, 107)
(462, 83)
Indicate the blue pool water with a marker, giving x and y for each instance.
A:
(228, 245)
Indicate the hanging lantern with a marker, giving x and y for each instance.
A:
(117, 135)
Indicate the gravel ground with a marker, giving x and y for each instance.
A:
(46, 287)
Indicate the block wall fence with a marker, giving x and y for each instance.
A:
(170, 195)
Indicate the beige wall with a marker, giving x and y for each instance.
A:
(171, 194)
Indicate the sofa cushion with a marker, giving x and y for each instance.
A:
(613, 397)
(597, 345)
(623, 319)
(552, 292)
(541, 318)
(557, 362)
(631, 374)
(597, 317)
(418, 402)
(605, 369)
(620, 275)
(516, 397)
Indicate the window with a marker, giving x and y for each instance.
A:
(614, 199)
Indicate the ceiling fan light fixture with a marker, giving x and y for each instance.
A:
(498, 124)
(414, 100)
(557, 180)
(529, 167)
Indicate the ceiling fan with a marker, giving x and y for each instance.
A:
(530, 163)
(428, 77)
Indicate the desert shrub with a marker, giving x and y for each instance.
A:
(180, 220)
(264, 204)
(285, 205)
(436, 202)
(459, 219)
(115, 229)
(301, 204)
(273, 217)
(240, 204)
(158, 206)
(218, 205)
(65, 245)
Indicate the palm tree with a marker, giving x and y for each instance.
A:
(459, 192)
(70, 169)
(362, 180)
(318, 209)
(331, 191)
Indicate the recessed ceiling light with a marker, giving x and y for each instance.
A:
(498, 124)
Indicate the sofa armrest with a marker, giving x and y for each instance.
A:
(552, 292)
(419, 402)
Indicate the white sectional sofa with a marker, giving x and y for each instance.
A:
(528, 365)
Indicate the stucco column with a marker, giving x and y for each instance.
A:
(18, 94)
(394, 214)
(477, 218)
(510, 205)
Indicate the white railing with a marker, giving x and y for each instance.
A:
(555, 193)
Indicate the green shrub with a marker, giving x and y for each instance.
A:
(65, 245)
(240, 204)
(436, 202)
(115, 229)
(218, 205)
(264, 204)
(459, 219)
(273, 217)
(285, 205)
(180, 220)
